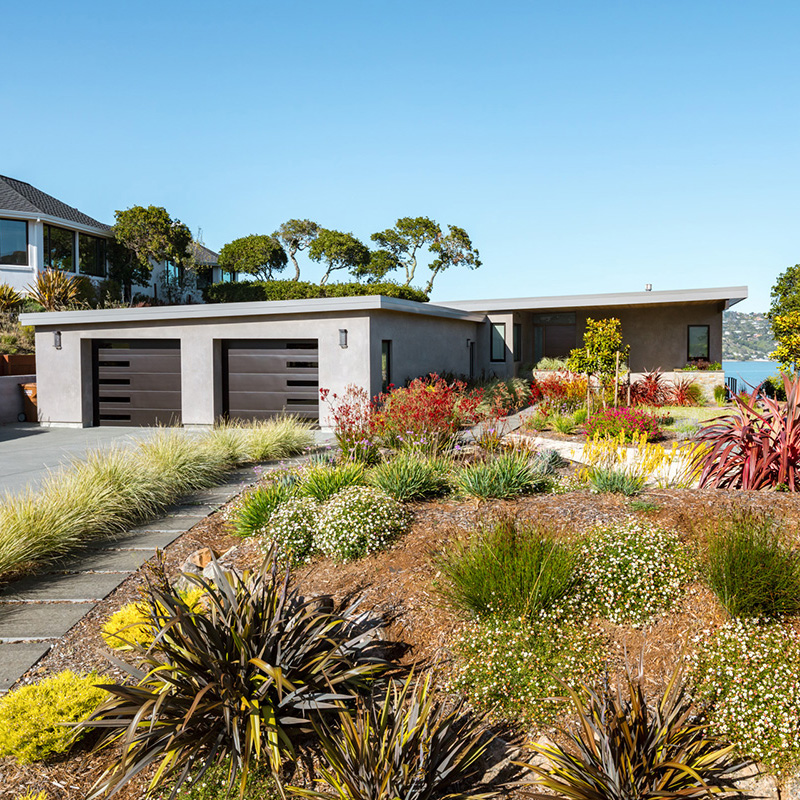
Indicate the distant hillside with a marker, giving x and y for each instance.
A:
(746, 337)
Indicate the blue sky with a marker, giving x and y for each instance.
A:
(585, 146)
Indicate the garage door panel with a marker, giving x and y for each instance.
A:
(264, 378)
(137, 382)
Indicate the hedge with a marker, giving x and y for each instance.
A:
(249, 291)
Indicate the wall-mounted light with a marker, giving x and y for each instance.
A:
(468, 341)
(343, 338)
(57, 340)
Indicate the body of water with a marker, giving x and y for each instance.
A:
(750, 372)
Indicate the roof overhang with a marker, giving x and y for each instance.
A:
(261, 309)
(35, 216)
(729, 295)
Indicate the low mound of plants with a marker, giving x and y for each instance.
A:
(37, 721)
(627, 424)
(507, 475)
(411, 476)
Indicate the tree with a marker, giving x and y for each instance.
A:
(602, 351)
(296, 235)
(411, 235)
(256, 255)
(380, 263)
(785, 295)
(145, 236)
(787, 332)
(339, 251)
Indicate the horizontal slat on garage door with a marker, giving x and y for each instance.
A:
(137, 382)
(267, 377)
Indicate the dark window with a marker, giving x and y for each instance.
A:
(698, 342)
(14, 242)
(497, 348)
(92, 252)
(386, 364)
(517, 341)
(59, 248)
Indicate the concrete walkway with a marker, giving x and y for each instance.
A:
(35, 612)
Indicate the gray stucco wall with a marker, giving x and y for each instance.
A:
(65, 375)
(11, 396)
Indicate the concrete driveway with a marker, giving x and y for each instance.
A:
(28, 452)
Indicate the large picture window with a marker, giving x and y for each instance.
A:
(698, 342)
(497, 345)
(92, 252)
(59, 248)
(14, 242)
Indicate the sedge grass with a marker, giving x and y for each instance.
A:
(115, 487)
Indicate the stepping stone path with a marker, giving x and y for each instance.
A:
(36, 612)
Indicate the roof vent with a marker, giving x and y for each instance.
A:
(648, 287)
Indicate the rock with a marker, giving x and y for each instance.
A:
(195, 563)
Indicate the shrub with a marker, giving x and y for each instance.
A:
(36, 721)
(358, 521)
(745, 676)
(508, 475)
(507, 666)
(214, 785)
(353, 423)
(10, 298)
(502, 397)
(254, 291)
(292, 528)
(322, 482)
(507, 570)
(536, 421)
(627, 424)
(758, 447)
(633, 570)
(411, 476)
(721, 394)
(563, 423)
(559, 393)
(548, 461)
(629, 746)
(554, 364)
(253, 511)
(685, 392)
(751, 568)
(241, 679)
(403, 744)
(54, 290)
(426, 415)
(615, 481)
(132, 625)
(650, 390)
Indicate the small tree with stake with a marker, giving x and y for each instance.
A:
(601, 355)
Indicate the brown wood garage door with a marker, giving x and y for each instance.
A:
(265, 377)
(137, 382)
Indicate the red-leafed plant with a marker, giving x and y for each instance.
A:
(353, 423)
(559, 393)
(427, 414)
(650, 390)
(685, 392)
(756, 448)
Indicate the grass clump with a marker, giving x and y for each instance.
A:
(36, 720)
(411, 476)
(613, 480)
(632, 571)
(508, 570)
(508, 475)
(508, 666)
(322, 482)
(253, 512)
(357, 521)
(745, 677)
(563, 423)
(751, 568)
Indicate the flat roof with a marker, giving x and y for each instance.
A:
(729, 294)
(262, 308)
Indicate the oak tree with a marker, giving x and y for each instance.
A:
(296, 235)
(258, 255)
(337, 251)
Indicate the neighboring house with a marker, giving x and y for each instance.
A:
(39, 232)
(194, 364)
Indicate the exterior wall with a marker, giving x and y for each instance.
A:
(65, 375)
(658, 334)
(508, 368)
(420, 345)
(11, 396)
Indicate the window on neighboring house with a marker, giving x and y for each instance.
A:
(227, 276)
(497, 349)
(386, 364)
(517, 341)
(92, 255)
(14, 242)
(699, 342)
(59, 248)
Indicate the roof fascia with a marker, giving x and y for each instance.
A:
(35, 216)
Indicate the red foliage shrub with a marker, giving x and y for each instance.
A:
(560, 392)
(756, 448)
(353, 423)
(650, 390)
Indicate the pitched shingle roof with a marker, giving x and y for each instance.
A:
(20, 196)
(203, 256)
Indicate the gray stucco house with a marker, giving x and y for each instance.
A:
(193, 364)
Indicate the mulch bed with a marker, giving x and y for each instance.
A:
(398, 584)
